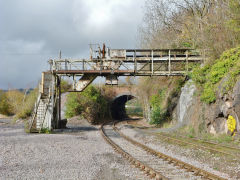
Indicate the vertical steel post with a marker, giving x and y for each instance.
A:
(52, 101)
(59, 98)
(60, 54)
(152, 62)
(83, 64)
(169, 61)
(135, 61)
(66, 65)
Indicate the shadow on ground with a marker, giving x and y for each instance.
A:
(75, 129)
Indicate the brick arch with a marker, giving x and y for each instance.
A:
(122, 94)
(124, 90)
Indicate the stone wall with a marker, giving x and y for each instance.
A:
(210, 118)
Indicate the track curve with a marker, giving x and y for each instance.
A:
(154, 164)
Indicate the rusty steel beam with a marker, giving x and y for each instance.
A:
(92, 71)
(119, 72)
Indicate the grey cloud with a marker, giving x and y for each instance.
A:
(32, 31)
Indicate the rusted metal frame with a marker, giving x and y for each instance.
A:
(59, 64)
(124, 64)
(159, 66)
(179, 163)
(155, 74)
(66, 68)
(162, 59)
(144, 66)
(160, 73)
(92, 72)
(73, 63)
(156, 50)
(118, 72)
(88, 62)
(59, 98)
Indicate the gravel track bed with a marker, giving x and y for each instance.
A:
(195, 157)
(166, 169)
(82, 154)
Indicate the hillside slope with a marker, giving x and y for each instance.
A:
(215, 103)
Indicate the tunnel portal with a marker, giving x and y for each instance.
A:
(118, 110)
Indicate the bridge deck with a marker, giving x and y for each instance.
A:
(119, 72)
(130, 62)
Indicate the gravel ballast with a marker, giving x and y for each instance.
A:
(78, 154)
(194, 156)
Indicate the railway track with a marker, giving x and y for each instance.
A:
(199, 143)
(154, 164)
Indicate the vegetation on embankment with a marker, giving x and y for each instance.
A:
(90, 104)
(16, 103)
(212, 27)
(210, 76)
(158, 96)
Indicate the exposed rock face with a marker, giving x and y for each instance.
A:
(210, 118)
(185, 100)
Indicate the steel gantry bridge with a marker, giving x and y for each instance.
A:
(109, 63)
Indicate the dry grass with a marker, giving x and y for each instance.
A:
(14, 102)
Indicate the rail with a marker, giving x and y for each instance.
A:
(138, 164)
(148, 170)
(179, 163)
(216, 147)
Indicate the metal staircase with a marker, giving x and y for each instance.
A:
(44, 115)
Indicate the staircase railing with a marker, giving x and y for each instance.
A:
(45, 113)
(34, 115)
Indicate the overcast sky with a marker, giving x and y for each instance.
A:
(33, 31)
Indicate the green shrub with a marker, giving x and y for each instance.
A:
(158, 116)
(5, 107)
(157, 99)
(14, 102)
(208, 77)
(45, 131)
(73, 107)
(163, 103)
(208, 94)
(89, 103)
(15, 99)
(199, 74)
(26, 109)
(156, 102)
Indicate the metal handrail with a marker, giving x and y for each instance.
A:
(45, 113)
(35, 111)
